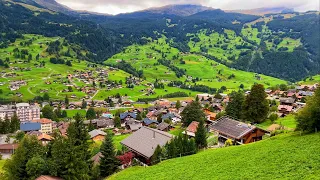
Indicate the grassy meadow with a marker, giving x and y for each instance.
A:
(286, 156)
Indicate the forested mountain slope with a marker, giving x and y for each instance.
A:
(279, 45)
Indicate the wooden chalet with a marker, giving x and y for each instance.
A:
(239, 132)
(143, 142)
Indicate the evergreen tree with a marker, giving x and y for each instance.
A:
(91, 114)
(234, 107)
(108, 162)
(308, 118)
(64, 114)
(15, 123)
(256, 106)
(84, 104)
(156, 157)
(66, 100)
(139, 117)
(192, 112)
(201, 136)
(6, 125)
(46, 97)
(159, 118)
(178, 104)
(117, 122)
(78, 163)
(90, 127)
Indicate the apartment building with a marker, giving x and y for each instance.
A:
(46, 125)
(25, 111)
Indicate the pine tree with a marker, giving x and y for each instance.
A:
(178, 104)
(117, 122)
(15, 123)
(192, 112)
(84, 104)
(91, 114)
(66, 100)
(156, 157)
(234, 107)
(201, 136)
(256, 106)
(46, 97)
(6, 125)
(108, 162)
(77, 160)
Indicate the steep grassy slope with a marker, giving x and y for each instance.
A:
(288, 156)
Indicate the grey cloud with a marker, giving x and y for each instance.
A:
(121, 6)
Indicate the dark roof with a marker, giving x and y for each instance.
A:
(168, 116)
(124, 115)
(135, 126)
(162, 126)
(104, 123)
(30, 126)
(148, 121)
(145, 140)
(230, 127)
(287, 100)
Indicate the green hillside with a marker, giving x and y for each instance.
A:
(207, 71)
(288, 156)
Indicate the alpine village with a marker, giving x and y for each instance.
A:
(174, 92)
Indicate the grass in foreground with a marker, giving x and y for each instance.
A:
(287, 156)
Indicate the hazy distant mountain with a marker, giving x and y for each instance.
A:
(179, 10)
(263, 11)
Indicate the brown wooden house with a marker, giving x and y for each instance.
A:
(239, 132)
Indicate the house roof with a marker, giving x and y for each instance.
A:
(135, 126)
(286, 107)
(193, 126)
(44, 177)
(96, 132)
(167, 116)
(43, 121)
(230, 127)
(162, 126)
(145, 140)
(287, 100)
(96, 158)
(44, 137)
(148, 121)
(30, 126)
(8, 146)
(124, 115)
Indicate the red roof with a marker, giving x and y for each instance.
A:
(193, 126)
(43, 121)
(48, 178)
(8, 146)
(286, 107)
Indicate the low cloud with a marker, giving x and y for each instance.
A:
(123, 6)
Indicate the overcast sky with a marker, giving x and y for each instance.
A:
(123, 6)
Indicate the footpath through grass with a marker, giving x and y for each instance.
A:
(287, 156)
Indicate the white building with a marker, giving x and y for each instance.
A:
(25, 111)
